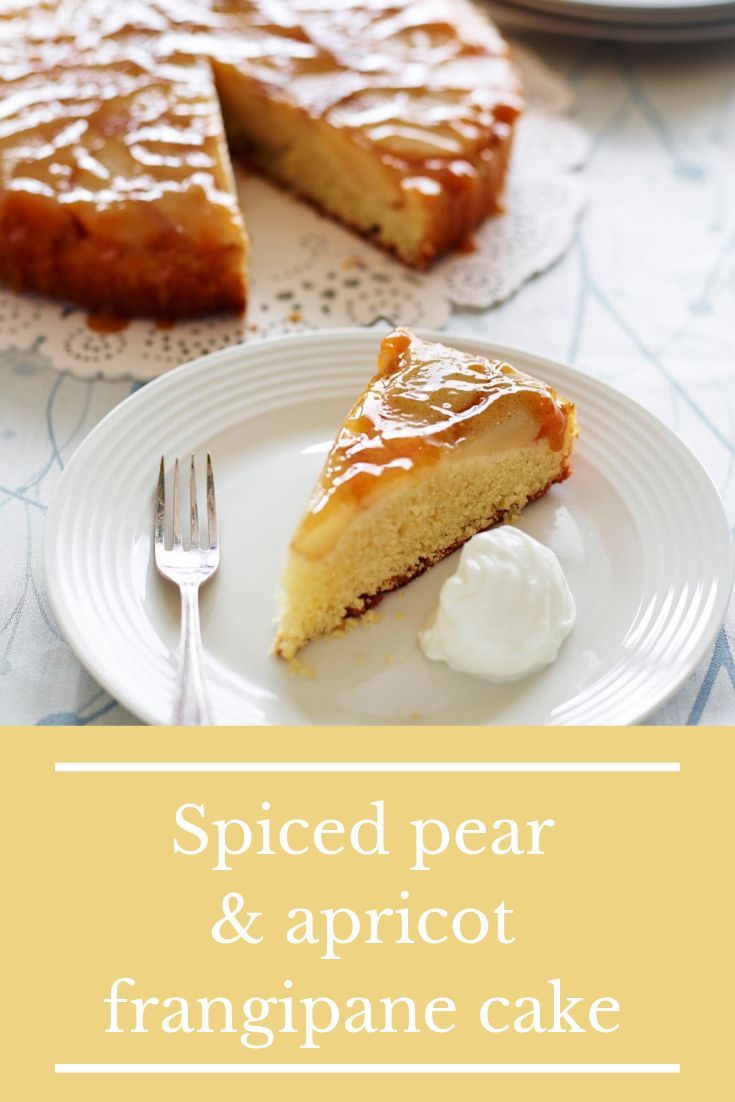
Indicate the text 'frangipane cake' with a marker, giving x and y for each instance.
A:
(116, 191)
(440, 445)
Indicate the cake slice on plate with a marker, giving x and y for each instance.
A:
(440, 445)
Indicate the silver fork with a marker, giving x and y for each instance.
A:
(188, 568)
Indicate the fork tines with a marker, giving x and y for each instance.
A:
(194, 531)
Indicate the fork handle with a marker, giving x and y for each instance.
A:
(192, 707)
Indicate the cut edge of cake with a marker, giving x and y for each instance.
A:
(408, 214)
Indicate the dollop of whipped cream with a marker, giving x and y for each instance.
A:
(504, 612)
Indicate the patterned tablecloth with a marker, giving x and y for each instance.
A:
(644, 299)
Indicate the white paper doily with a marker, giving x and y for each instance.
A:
(308, 272)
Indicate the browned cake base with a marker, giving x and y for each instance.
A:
(45, 248)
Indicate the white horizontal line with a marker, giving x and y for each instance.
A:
(367, 1069)
(367, 767)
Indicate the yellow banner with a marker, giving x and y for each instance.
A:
(508, 913)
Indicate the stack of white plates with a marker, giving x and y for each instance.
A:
(621, 20)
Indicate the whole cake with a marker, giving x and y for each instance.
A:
(116, 190)
(440, 445)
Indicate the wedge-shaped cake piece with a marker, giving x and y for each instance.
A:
(439, 446)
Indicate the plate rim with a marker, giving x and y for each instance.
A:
(75, 638)
(651, 15)
(519, 17)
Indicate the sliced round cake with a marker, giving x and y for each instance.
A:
(116, 191)
(440, 445)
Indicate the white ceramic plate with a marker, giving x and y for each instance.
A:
(628, 528)
(654, 13)
(614, 27)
